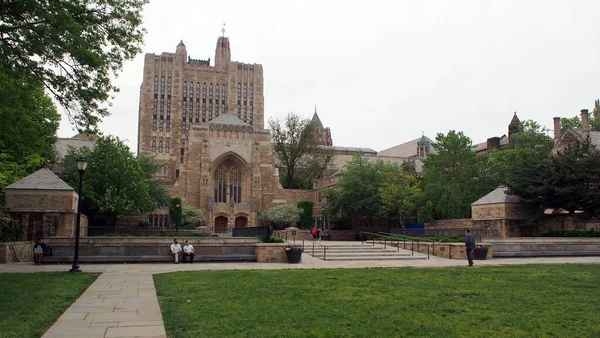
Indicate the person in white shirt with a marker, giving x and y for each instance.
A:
(175, 249)
(188, 251)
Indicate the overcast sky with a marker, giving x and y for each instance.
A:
(382, 72)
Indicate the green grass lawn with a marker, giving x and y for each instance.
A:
(31, 302)
(512, 301)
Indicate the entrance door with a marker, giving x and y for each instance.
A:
(221, 224)
(241, 222)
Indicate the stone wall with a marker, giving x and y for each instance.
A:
(444, 250)
(40, 200)
(23, 251)
(49, 224)
(273, 252)
(501, 210)
(546, 247)
(336, 235)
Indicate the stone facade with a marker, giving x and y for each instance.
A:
(16, 252)
(273, 252)
(205, 126)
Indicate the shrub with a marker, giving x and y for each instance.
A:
(144, 223)
(306, 220)
(10, 230)
(191, 216)
(272, 239)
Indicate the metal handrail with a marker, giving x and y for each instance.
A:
(325, 247)
(387, 235)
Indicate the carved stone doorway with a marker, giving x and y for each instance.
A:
(221, 224)
(241, 222)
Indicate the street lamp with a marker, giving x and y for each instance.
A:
(178, 219)
(81, 165)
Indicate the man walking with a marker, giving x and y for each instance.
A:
(470, 245)
(175, 249)
(188, 251)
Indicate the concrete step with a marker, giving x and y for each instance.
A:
(366, 254)
(345, 250)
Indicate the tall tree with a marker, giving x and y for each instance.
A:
(575, 121)
(400, 191)
(115, 181)
(301, 160)
(450, 177)
(72, 48)
(28, 130)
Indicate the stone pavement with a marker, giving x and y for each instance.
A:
(122, 302)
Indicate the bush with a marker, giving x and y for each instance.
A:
(306, 220)
(144, 223)
(272, 239)
(573, 233)
(11, 230)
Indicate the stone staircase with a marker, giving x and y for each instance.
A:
(355, 251)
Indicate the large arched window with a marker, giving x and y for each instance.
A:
(155, 103)
(228, 183)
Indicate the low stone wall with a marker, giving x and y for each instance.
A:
(22, 250)
(273, 252)
(444, 250)
(546, 247)
(336, 235)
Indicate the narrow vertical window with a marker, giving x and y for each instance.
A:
(191, 117)
(197, 102)
(169, 89)
(154, 146)
(217, 92)
(223, 104)
(160, 146)
(251, 119)
(204, 102)
(245, 102)
(239, 100)
(167, 147)
(210, 102)
(155, 104)
(162, 103)
(184, 107)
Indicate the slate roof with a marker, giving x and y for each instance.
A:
(43, 179)
(498, 195)
(229, 120)
(346, 150)
(63, 144)
(407, 149)
(483, 145)
(317, 120)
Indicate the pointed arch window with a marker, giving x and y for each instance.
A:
(167, 147)
(217, 94)
(210, 102)
(223, 105)
(197, 102)
(228, 183)
(204, 102)
(160, 146)
(154, 146)
(184, 107)
(155, 103)
(169, 90)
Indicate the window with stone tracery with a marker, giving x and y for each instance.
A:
(228, 183)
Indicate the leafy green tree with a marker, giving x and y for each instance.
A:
(191, 216)
(28, 133)
(301, 160)
(306, 219)
(450, 177)
(400, 191)
(575, 121)
(566, 181)
(72, 48)
(115, 181)
(357, 192)
(283, 214)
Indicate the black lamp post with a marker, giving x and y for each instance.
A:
(81, 165)
(178, 219)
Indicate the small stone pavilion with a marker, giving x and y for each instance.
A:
(45, 204)
(499, 210)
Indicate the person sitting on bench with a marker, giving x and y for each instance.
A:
(188, 251)
(175, 249)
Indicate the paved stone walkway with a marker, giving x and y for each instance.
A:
(122, 302)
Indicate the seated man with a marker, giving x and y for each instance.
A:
(188, 251)
(175, 249)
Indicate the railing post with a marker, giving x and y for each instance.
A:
(449, 251)
(398, 245)
(428, 252)
(385, 244)
(412, 248)
(325, 253)
(303, 244)
(313, 249)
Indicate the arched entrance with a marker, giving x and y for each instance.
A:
(221, 224)
(241, 222)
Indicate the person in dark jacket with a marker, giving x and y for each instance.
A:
(470, 245)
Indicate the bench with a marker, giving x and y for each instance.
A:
(148, 259)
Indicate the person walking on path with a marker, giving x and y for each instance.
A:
(175, 249)
(470, 245)
(188, 251)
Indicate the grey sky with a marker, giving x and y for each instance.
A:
(380, 72)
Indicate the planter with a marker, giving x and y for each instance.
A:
(294, 255)
(480, 253)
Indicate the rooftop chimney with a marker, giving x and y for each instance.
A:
(585, 125)
(493, 143)
(556, 129)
